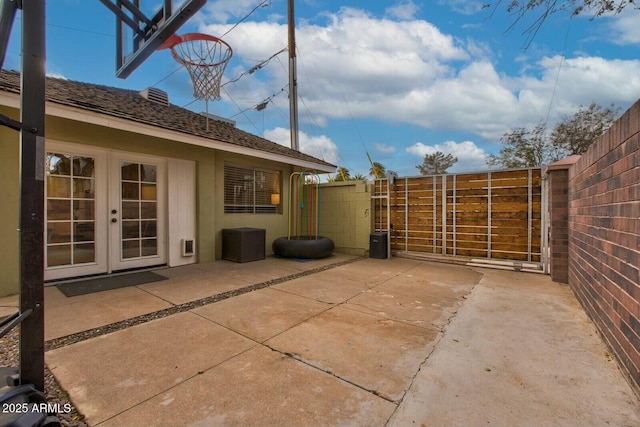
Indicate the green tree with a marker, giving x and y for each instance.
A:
(576, 133)
(378, 170)
(538, 147)
(436, 163)
(523, 149)
(358, 177)
(342, 174)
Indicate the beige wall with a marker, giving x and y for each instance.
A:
(346, 215)
(210, 215)
(274, 224)
(9, 209)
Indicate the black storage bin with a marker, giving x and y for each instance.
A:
(243, 244)
(378, 245)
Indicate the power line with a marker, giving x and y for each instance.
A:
(261, 4)
(242, 112)
(260, 105)
(308, 110)
(255, 68)
(555, 85)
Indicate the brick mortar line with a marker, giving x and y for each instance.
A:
(77, 337)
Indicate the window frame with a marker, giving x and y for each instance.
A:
(239, 179)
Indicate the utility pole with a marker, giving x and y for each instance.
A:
(293, 80)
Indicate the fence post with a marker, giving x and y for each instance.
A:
(558, 174)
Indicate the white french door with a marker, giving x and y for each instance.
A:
(136, 211)
(105, 211)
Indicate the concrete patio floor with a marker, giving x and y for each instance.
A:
(332, 342)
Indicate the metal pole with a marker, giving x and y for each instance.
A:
(444, 214)
(293, 80)
(389, 230)
(406, 214)
(32, 193)
(489, 191)
(7, 16)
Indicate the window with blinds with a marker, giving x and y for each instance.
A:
(251, 190)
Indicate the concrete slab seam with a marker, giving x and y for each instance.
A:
(436, 342)
(180, 308)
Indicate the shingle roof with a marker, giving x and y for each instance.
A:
(131, 105)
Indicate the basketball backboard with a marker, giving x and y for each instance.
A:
(140, 30)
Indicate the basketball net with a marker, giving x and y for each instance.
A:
(205, 57)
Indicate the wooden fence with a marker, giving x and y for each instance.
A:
(491, 215)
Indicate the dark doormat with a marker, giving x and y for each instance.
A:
(89, 286)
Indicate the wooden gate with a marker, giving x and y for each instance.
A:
(483, 218)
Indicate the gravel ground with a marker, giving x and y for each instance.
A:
(9, 356)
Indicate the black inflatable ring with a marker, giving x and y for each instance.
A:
(303, 247)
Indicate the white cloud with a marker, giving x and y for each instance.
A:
(623, 29)
(320, 147)
(355, 65)
(466, 7)
(470, 156)
(228, 10)
(56, 75)
(404, 10)
(383, 148)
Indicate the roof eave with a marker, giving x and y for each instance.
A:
(86, 116)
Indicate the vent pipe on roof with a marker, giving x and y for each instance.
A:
(156, 95)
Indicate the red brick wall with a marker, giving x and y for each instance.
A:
(604, 237)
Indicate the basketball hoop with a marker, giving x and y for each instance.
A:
(205, 57)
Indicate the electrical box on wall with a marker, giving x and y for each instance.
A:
(188, 247)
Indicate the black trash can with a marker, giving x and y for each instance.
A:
(378, 245)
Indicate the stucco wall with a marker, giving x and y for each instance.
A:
(346, 215)
(9, 209)
(275, 225)
(210, 217)
(604, 237)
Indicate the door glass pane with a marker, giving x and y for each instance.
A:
(148, 210)
(83, 210)
(139, 229)
(58, 209)
(148, 191)
(70, 215)
(149, 247)
(83, 232)
(58, 255)
(130, 210)
(130, 191)
(149, 229)
(58, 232)
(129, 171)
(58, 164)
(83, 188)
(130, 229)
(83, 166)
(58, 186)
(84, 253)
(148, 173)
(130, 249)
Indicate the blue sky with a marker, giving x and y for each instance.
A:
(397, 80)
